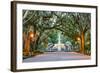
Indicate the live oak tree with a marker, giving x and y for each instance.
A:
(76, 26)
(44, 24)
(83, 23)
(39, 22)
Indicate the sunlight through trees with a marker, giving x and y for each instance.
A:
(40, 28)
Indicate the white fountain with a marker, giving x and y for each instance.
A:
(59, 41)
(59, 45)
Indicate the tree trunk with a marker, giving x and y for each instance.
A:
(82, 43)
(27, 47)
(37, 43)
(46, 42)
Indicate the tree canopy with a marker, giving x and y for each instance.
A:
(47, 24)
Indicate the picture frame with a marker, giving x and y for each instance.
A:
(58, 12)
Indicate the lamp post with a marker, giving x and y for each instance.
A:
(79, 41)
(31, 37)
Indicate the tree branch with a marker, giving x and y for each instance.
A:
(25, 15)
(28, 19)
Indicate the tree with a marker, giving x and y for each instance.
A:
(76, 25)
(44, 24)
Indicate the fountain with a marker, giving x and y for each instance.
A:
(59, 41)
(59, 46)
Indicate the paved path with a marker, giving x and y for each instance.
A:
(57, 56)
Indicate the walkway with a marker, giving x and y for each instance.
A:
(57, 56)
